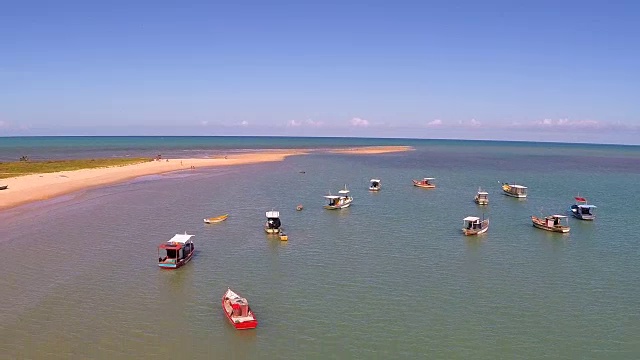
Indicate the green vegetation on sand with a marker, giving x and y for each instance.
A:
(20, 168)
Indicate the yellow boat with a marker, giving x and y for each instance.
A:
(283, 236)
(217, 219)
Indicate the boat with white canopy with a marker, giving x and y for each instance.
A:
(272, 226)
(176, 252)
(374, 185)
(340, 201)
(472, 225)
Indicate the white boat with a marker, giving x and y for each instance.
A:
(482, 197)
(272, 226)
(514, 190)
(340, 201)
(374, 185)
(474, 226)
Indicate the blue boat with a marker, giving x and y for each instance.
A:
(581, 210)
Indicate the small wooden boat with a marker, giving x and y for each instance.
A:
(341, 201)
(374, 185)
(272, 226)
(4, 187)
(581, 210)
(482, 197)
(177, 251)
(474, 226)
(514, 190)
(216, 219)
(555, 223)
(238, 311)
(299, 207)
(426, 183)
(283, 236)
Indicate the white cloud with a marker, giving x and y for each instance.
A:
(204, 122)
(308, 122)
(474, 122)
(359, 122)
(578, 124)
(244, 123)
(436, 122)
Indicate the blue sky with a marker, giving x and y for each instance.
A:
(535, 70)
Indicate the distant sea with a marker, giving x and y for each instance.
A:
(391, 277)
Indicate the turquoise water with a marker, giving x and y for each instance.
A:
(390, 277)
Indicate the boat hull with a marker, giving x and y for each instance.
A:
(271, 231)
(374, 189)
(177, 264)
(469, 232)
(336, 207)
(481, 202)
(539, 223)
(216, 219)
(239, 325)
(519, 196)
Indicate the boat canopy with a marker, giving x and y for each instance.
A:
(273, 214)
(558, 216)
(374, 180)
(578, 198)
(587, 206)
(332, 197)
(343, 192)
(518, 186)
(471, 218)
(427, 179)
(180, 238)
(483, 193)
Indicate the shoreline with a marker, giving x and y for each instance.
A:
(38, 187)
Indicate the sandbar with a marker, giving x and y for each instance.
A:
(37, 187)
(365, 150)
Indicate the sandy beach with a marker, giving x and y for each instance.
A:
(36, 187)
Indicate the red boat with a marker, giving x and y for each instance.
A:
(238, 312)
(426, 183)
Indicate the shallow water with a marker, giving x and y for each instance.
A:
(389, 277)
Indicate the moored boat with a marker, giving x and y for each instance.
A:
(272, 226)
(299, 207)
(555, 223)
(474, 226)
(514, 190)
(340, 201)
(238, 311)
(482, 197)
(217, 219)
(425, 183)
(374, 185)
(581, 210)
(283, 236)
(177, 251)
(4, 187)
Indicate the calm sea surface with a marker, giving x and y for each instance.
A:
(391, 277)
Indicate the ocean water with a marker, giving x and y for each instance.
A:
(390, 277)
